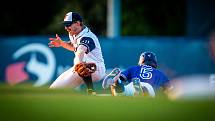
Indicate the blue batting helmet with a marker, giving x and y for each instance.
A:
(148, 58)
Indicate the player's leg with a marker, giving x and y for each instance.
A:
(120, 89)
(70, 78)
(89, 84)
(99, 74)
(147, 89)
(117, 88)
(111, 78)
(96, 76)
(67, 79)
(134, 88)
(129, 90)
(138, 90)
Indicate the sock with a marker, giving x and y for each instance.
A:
(119, 86)
(89, 83)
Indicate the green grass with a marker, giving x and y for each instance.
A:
(27, 103)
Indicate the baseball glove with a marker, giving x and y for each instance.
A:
(85, 69)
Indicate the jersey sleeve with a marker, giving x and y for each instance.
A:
(164, 80)
(126, 74)
(88, 42)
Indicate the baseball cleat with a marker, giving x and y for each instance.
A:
(91, 92)
(111, 78)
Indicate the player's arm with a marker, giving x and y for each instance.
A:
(68, 46)
(122, 77)
(126, 74)
(86, 45)
(83, 71)
(167, 88)
(79, 55)
(58, 42)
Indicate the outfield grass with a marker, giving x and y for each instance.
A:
(27, 103)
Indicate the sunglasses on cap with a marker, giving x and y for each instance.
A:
(68, 23)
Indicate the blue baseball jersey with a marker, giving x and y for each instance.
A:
(146, 74)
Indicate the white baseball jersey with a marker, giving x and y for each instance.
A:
(70, 78)
(88, 39)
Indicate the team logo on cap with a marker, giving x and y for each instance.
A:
(65, 16)
(68, 17)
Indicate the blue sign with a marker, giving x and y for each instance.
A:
(30, 59)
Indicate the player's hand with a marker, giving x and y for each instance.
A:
(55, 42)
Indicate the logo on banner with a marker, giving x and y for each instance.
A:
(44, 71)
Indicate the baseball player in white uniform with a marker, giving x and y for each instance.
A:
(86, 48)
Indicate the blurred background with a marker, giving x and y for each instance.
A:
(181, 33)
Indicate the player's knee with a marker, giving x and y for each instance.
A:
(53, 86)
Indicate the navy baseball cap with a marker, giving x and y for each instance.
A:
(71, 17)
